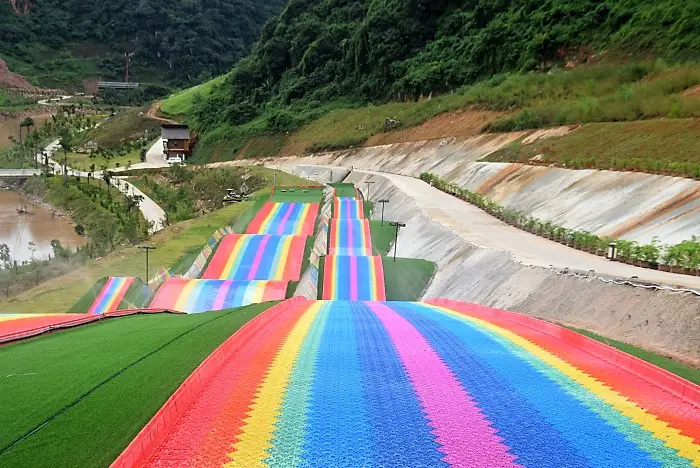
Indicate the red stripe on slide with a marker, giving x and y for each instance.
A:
(379, 270)
(254, 226)
(205, 431)
(168, 294)
(292, 269)
(310, 221)
(569, 345)
(327, 277)
(223, 253)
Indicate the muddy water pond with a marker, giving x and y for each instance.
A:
(40, 227)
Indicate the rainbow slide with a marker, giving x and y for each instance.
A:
(247, 257)
(111, 296)
(412, 384)
(348, 208)
(196, 296)
(353, 279)
(350, 237)
(297, 219)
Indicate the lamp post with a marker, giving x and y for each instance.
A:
(147, 248)
(396, 238)
(383, 202)
(369, 185)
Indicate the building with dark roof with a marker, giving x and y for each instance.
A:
(176, 140)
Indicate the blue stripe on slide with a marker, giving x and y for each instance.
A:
(247, 256)
(338, 430)
(542, 423)
(398, 424)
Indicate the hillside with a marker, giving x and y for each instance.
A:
(354, 52)
(58, 43)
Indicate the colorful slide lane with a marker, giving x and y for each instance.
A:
(353, 279)
(350, 237)
(13, 325)
(247, 257)
(196, 296)
(348, 208)
(296, 219)
(410, 384)
(111, 296)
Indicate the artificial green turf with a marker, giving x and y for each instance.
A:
(77, 398)
(344, 190)
(299, 195)
(85, 302)
(321, 271)
(382, 236)
(687, 372)
(406, 279)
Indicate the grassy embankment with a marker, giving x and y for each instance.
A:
(586, 94)
(688, 373)
(179, 103)
(173, 244)
(105, 379)
(656, 146)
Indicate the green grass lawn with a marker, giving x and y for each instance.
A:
(82, 161)
(129, 124)
(687, 372)
(344, 190)
(78, 397)
(180, 103)
(299, 195)
(407, 278)
(382, 236)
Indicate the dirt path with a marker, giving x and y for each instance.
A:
(153, 113)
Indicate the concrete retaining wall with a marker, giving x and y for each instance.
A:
(622, 204)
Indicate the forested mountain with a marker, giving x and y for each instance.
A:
(321, 51)
(179, 42)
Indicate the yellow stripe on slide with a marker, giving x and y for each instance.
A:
(184, 296)
(265, 225)
(258, 431)
(7, 318)
(672, 437)
(283, 257)
(240, 243)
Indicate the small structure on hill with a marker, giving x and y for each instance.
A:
(176, 140)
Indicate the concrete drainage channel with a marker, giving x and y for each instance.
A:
(654, 317)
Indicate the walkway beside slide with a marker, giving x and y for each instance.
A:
(246, 257)
(196, 296)
(297, 219)
(351, 272)
(312, 383)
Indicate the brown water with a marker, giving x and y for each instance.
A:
(40, 227)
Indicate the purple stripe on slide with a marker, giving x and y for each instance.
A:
(462, 430)
(353, 278)
(95, 308)
(221, 295)
(258, 257)
(285, 218)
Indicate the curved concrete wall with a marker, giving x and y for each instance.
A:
(622, 204)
